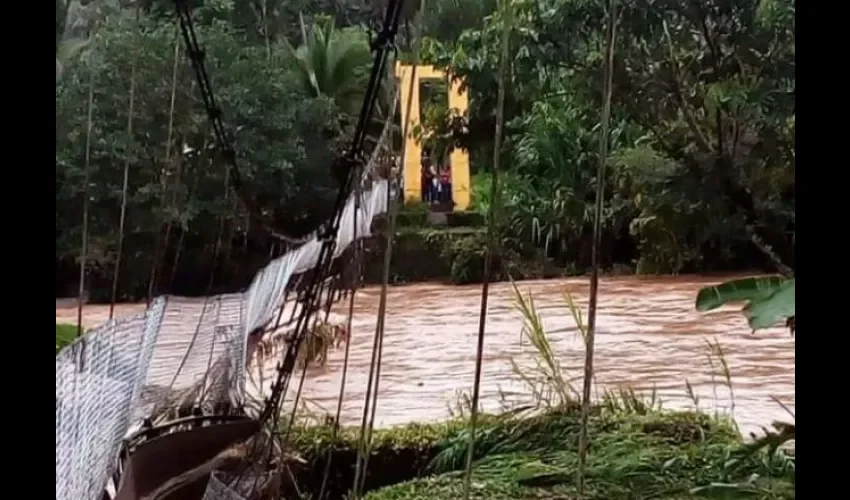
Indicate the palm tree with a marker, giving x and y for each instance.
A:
(336, 64)
(332, 63)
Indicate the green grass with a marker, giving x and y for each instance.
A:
(310, 441)
(397, 454)
(660, 455)
(457, 230)
(634, 455)
(65, 334)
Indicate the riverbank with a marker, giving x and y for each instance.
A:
(452, 254)
(636, 452)
(455, 255)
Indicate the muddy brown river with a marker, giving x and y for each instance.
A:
(649, 338)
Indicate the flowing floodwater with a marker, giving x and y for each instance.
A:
(649, 338)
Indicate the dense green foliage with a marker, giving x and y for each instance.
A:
(702, 163)
(701, 171)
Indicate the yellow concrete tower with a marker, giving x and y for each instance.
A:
(413, 150)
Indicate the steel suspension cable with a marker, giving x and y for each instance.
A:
(197, 57)
(382, 45)
(357, 273)
(506, 14)
(366, 435)
(183, 230)
(607, 75)
(325, 284)
(348, 166)
(208, 290)
(220, 233)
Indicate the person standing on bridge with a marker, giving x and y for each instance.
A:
(426, 178)
(446, 184)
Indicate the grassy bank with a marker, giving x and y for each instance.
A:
(635, 454)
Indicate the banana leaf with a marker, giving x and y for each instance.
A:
(769, 299)
(764, 312)
(739, 290)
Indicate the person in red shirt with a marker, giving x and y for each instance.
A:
(446, 184)
(426, 177)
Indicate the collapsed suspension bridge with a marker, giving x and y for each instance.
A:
(151, 405)
(157, 405)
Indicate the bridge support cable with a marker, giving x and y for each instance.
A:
(223, 140)
(374, 160)
(507, 17)
(356, 281)
(219, 233)
(352, 165)
(208, 297)
(607, 75)
(349, 168)
(365, 440)
(188, 203)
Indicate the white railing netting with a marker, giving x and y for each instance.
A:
(179, 351)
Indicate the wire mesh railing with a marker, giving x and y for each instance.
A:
(179, 353)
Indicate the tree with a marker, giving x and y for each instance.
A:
(704, 104)
(285, 140)
(332, 63)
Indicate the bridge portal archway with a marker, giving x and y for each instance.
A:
(412, 161)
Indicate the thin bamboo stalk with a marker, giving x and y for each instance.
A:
(84, 250)
(597, 235)
(158, 251)
(125, 182)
